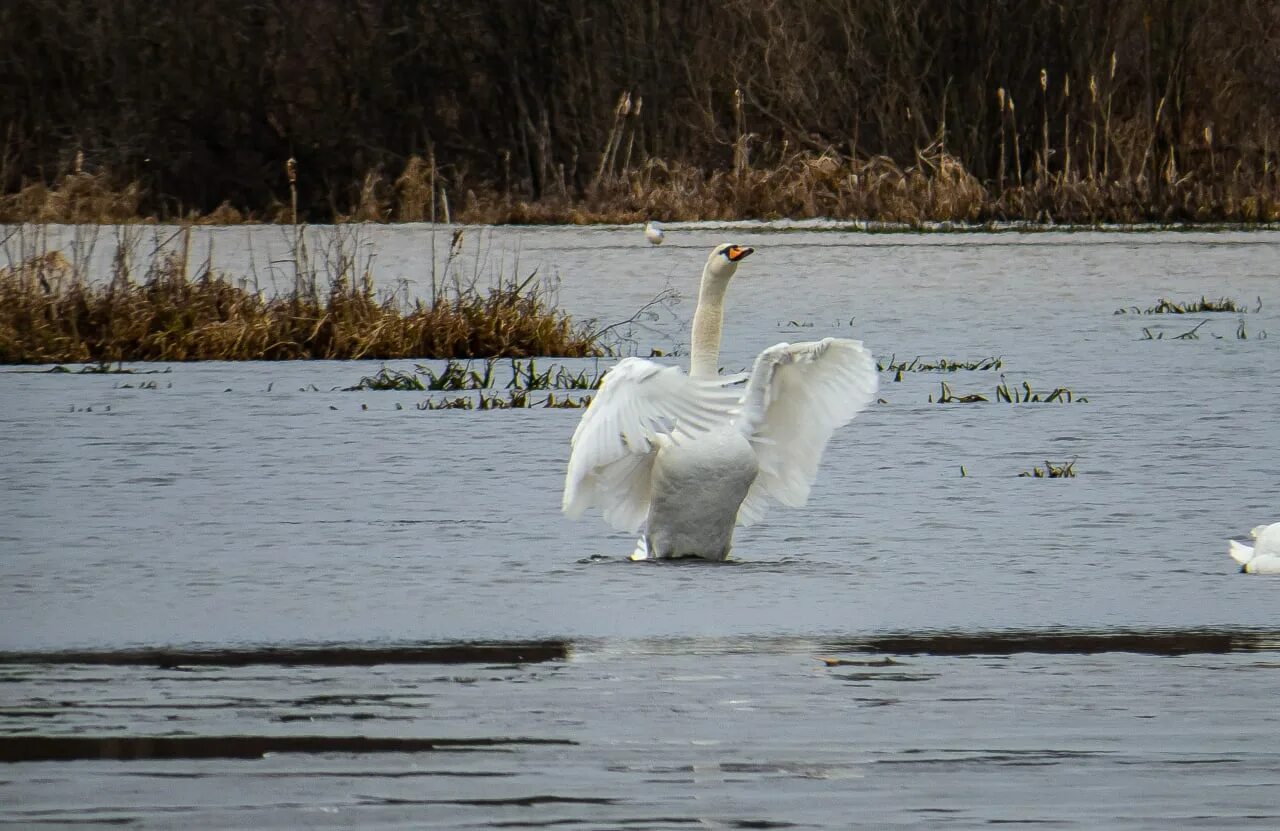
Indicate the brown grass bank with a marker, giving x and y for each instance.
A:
(50, 312)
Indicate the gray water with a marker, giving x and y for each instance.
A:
(253, 506)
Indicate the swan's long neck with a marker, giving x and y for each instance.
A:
(708, 319)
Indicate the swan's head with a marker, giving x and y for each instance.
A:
(724, 259)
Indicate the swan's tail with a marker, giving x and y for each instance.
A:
(1239, 552)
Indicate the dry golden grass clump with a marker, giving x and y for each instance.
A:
(49, 313)
(78, 197)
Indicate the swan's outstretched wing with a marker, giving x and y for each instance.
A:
(798, 395)
(613, 448)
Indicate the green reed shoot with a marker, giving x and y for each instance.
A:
(1026, 395)
(948, 397)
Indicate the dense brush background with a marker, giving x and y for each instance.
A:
(196, 105)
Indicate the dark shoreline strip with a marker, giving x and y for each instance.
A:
(69, 748)
(328, 656)
(1072, 643)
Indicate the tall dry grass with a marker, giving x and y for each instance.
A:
(51, 312)
(935, 187)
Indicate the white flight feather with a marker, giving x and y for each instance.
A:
(810, 391)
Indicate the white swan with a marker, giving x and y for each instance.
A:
(653, 233)
(682, 458)
(1263, 557)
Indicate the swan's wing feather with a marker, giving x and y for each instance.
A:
(612, 449)
(812, 390)
(1239, 552)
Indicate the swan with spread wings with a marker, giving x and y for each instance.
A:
(682, 459)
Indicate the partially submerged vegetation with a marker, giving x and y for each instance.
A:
(522, 378)
(1241, 333)
(455, 375)
(50, 311)
(1190, 307)
(1065, 470)
(942, 365)
(1009, 395)
(510, 400)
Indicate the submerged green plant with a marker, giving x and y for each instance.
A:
(942, 365)
(948, 397)
(1066, 470)
(1169, 307)
(1023, 394)
(510, 400)
(1026, 395)
(1194, 333)
(458, 376)
(389, 379)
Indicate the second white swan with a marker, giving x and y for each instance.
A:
(1263, 557)
(683, 458)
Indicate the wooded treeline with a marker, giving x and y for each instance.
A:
(1143, 109)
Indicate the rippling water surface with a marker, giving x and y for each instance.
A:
(259, 507)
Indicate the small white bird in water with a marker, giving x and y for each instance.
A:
(653, 233)
(1263, 557)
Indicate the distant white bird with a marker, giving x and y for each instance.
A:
(682, 458)
(1264, 556)
(653, 233)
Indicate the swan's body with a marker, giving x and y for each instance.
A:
(697, 485)
(1263, 557)
(653, 233)
(685, 458)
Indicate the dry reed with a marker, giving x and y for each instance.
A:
(936, 187)
(49, 312)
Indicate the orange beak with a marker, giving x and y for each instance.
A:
(739, 252)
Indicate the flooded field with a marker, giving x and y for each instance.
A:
(239, 595)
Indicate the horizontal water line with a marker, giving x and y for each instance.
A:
(485, 652)
(944, 642)
(955, 642)
(70, 748)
